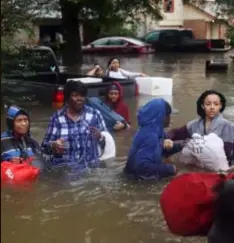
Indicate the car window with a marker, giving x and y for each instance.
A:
(30, 61)
(39, 60)
(187, 33)
(153, 36)
(100, 42)
(137, 42)
(116, 42)
(169, 36)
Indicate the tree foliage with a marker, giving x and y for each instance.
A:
(14, 15)
(119, 9)
(17, 14)
(107, 15)
(101, 13)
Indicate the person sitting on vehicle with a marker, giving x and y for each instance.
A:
(149, 144)
(210, 106)
(74, 133)
(114, 71)
(17, 145)
(114, 99)
(97, 71)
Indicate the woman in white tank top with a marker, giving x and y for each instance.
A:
(114, 71)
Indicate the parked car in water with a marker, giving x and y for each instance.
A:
(36, 78)
(181, 40)
(116, 44)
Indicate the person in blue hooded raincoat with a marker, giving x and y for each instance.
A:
(145, 156)
(17, 145)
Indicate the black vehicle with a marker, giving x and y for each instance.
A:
(180, 40)
(36, 77)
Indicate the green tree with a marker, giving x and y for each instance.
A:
(14, 15)
(103, 14)
(100, 12)
(226, 8)
(106, 15)
(19, 14)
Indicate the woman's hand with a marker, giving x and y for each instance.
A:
(110, 67)
(143, 75)
(58, 146)
(168, 144)
(119, 126)
(96, 132)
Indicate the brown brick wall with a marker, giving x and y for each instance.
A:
(223, 31)
(198, 26)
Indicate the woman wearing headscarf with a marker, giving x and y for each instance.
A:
(114, 99)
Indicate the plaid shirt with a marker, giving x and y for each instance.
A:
(81, 148)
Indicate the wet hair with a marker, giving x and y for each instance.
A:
(201, 99)
(75, 86)
(110, 61)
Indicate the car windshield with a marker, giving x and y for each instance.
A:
(187, 33)
(100, 42)
(136, 42)
(153, 36)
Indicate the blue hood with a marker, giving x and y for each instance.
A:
(150, 120)
(152, 115)
(12, 113)
(145, 156)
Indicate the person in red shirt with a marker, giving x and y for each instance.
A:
(114, 99)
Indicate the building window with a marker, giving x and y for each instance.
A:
(168, 6)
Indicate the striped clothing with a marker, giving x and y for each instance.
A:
(81, 148)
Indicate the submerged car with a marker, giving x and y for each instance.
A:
(124, 45)
(182, 40)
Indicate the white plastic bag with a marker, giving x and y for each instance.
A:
(206, 152)
(110, 148)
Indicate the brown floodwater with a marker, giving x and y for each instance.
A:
(104, 207)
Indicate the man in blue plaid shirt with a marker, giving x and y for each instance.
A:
(74, 133)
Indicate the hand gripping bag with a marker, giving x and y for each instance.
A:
(205, 152)
(188, 202)
(18, 174)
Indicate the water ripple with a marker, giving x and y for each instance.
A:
(104, 207)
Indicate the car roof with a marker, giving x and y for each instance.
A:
(170, 29)
(130, 39)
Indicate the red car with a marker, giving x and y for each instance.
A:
(118, 45)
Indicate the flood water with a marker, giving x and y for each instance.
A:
(104, 207)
